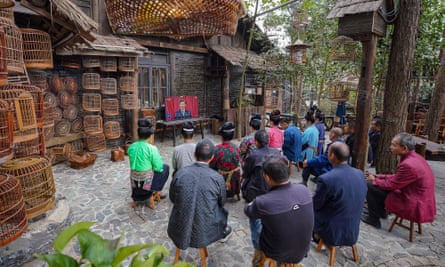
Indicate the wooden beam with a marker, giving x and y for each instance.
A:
(158, 44)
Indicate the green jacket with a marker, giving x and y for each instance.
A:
(144, 157)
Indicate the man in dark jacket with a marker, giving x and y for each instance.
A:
(198, 193)
(286, 213)
(254, 185)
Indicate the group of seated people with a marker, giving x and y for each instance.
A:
(283, 217)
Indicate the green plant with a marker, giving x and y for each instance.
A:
(98, 252)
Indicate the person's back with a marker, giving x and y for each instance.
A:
(184, 154)
(292, 140)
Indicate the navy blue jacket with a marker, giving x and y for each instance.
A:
(321, 164)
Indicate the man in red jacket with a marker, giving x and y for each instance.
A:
(409, 193)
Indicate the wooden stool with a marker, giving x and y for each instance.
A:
(202, 251)
(273, 263)
(332, 251)
(410, 228)
(155, 196)
(296, 165)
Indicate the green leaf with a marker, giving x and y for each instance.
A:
(158, 249)
(66, 235)
(96, 249)
(58, 260)
(124, 252)
(183, 264)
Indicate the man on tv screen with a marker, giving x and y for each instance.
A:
(182, 113)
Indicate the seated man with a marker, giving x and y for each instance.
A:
(182, 113)
(184, 154)
(319, 165)
(409, 192)
(198, 193)
(286, 213)
(339, 200)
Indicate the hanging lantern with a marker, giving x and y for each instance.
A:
(343, 49)
(297, 52)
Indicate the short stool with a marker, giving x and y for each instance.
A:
(399, 221)
(202, 251)
(333, 250)
(265, 261)
(155, 196)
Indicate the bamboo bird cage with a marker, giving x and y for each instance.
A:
(37, 49)
(6, 132)
(14, 46)
(37, 95)
(112, 129)
(3, 58)
(108, 86)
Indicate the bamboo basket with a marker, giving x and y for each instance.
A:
(48, 114)
(65, 98)
(129, 101)
(128, 84)
(37, 95)
(112, 129)
(70, 84)
(39, 78)
(6, 132)
(28, 148)
(90, 62)
(91, 81)
(108, 64)
(12, 210)
(96, 142)
(81, 160)
(77, 125)
(36, 180)
(7, 12)
(92, 124)
(76, 99)
(37, 49)
(48, 131)
(77, 146)
(56, 83)
(110, 107)
(60, 153)
(51, 99)
(6, 4)
(91, 102)
(3, 58)
(62, 128)
(58, 114)
(108, 86)
(70, 112)
(128, 64)
(14, 46)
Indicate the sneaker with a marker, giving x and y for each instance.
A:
(226, 234)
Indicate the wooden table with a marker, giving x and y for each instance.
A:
(434, 150)
(175, 123)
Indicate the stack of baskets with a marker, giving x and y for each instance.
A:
(6, 132)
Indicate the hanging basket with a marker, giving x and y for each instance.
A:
(92, 124)
(90, 62)
(108, 86)
(108, 64)
(12, 210)
(6, 132)
(128, 84)
(37, 49)
(96, 142)
(112, 129)
(129, 101)
(128, 64)
(62, 128)
(91, 102)
(36, 179)
(110, 107)
(77, 125)
(14, 46)
(91, 81)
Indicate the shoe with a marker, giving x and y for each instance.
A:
(384, 215)
(226, 234)
(373, 222)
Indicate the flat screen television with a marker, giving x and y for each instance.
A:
(181, 107)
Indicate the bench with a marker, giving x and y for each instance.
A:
(434, 151)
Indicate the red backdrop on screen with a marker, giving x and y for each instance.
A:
(172, 105)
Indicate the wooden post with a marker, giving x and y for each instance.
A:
(226, 91)
(134, 123)
(364, 100)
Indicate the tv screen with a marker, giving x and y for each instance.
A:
(181, 107)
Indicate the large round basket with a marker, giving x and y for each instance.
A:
(37, 49)
(58, 114)
(77, 125)
(56, 83)
(6, 132)
(65, 98)
(51, 99)
(70, 84)
(63, 128)
(35, 176)
(70, 112)
(14, 46)
(12, 210)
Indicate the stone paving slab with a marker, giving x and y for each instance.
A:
(101, 193)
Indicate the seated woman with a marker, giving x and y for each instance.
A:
(226, 160)
(247, 145)
(148, 173)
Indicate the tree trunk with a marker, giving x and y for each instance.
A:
(397, 83)
(437, 107)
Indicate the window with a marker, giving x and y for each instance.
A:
(153, 84)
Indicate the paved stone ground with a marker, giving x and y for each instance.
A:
(101, 193)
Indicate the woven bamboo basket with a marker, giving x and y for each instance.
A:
(37, 95)
(108, 64)
(92, 124)
(12, 210)
(96, 142)
(3, 58)
(76, 99)
(70, 112)
(90, 62)
(108, 86)
(70, 84)
(48, 114)
(28, 148)
(77, 146)
(60, 153)
(128, 84)
(56, 83)
(71, 62)
(25, 123)
(14, 46)
(36, 179)
(39, 78)
(51, 99)
(65, 98)
(48, 131)
(62, 128)
(7, 12)
(6, 132)
(77, 125)
(91, 81)
(37, 49)
(58, 114)
(129, 101)
(128, 64)
(112, 129)
(81, 160)
(91, 102)
(110, 107)
(6, 4)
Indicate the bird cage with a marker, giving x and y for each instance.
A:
(6, 4)
(38, 78)
(129, 101)
(77, 146)
(37, 95)
(28, 147)
(128, 64)
(62, 127)
(342, 49)
(108, 86)
(25, 123)
(91, 102)
(37, 49)
(7, 12)
(71, 62)
(297, 52)
(6, 132)
(77, 125)
(48, 131)
(90, 62)
(299, 19)
(14, 46)
(58, 114)
(341, 88)
(36, 180)
(108, 64)
(91, 81)
(3, 58)
(65, 98)
(12, 210)
(51, 99)
(110, 107)
(112, 129)
(70, 84)
(56, 83)
(92, 124)
(70, 112)
(60, 153)
(48, 114)
(96, 142)
(128, 84)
